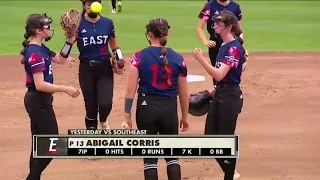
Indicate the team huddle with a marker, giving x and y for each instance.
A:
(158, 74)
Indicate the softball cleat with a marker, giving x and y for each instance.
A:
(119, 6)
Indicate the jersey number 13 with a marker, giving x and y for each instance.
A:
(155, 74)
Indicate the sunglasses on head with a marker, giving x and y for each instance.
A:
(47, 22)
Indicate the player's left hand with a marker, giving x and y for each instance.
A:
(198, 55)
(127, 124)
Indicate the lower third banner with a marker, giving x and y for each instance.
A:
(141, 146)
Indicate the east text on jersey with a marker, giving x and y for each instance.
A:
(93, 39)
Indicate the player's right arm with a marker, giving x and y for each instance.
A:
(204, 17)
(133, 77)
(133, 80)
(43, 86)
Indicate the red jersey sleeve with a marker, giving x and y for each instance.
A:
(36, 63)
(135, 59)
(205, 13)
(183, 69)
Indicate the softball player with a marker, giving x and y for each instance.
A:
(95, 71)
(227, 101)
(206, 16)
(114, 4)
(161, 74)
(38, 99)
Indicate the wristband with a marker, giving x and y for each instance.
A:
(118, 53)
(127, 105)
(66, 50)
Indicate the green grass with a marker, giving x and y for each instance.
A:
(268, 26)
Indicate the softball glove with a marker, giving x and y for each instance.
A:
(199, 103)
(117, 65)
(70, 21)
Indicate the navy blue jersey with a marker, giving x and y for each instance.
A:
(231, 54)
(38, 59)
(212, 9)
(93, 39)
(153, 78)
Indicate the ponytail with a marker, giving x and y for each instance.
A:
(159, 29)
(25, 44)
(165, 63)
(236, 30)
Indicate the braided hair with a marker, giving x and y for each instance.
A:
(34, 22)
(159, 28)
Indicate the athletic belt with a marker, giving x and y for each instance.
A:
(226, 85)
(93, 63)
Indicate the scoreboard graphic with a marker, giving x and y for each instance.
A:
(132, 144)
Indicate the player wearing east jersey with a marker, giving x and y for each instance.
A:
(96, 71)
(161, 74)
(227, 101)
(38, 99)
(206, 16)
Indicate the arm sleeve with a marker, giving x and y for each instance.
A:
(135, 59)
(36, 63)
(205, 12)
(183, 70)
(232, 57)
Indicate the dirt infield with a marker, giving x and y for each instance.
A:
(279, 126)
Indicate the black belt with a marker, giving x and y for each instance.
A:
(93, 63)
(32, 89)
(226, 85)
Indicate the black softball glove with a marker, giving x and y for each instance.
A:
(199, 103)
